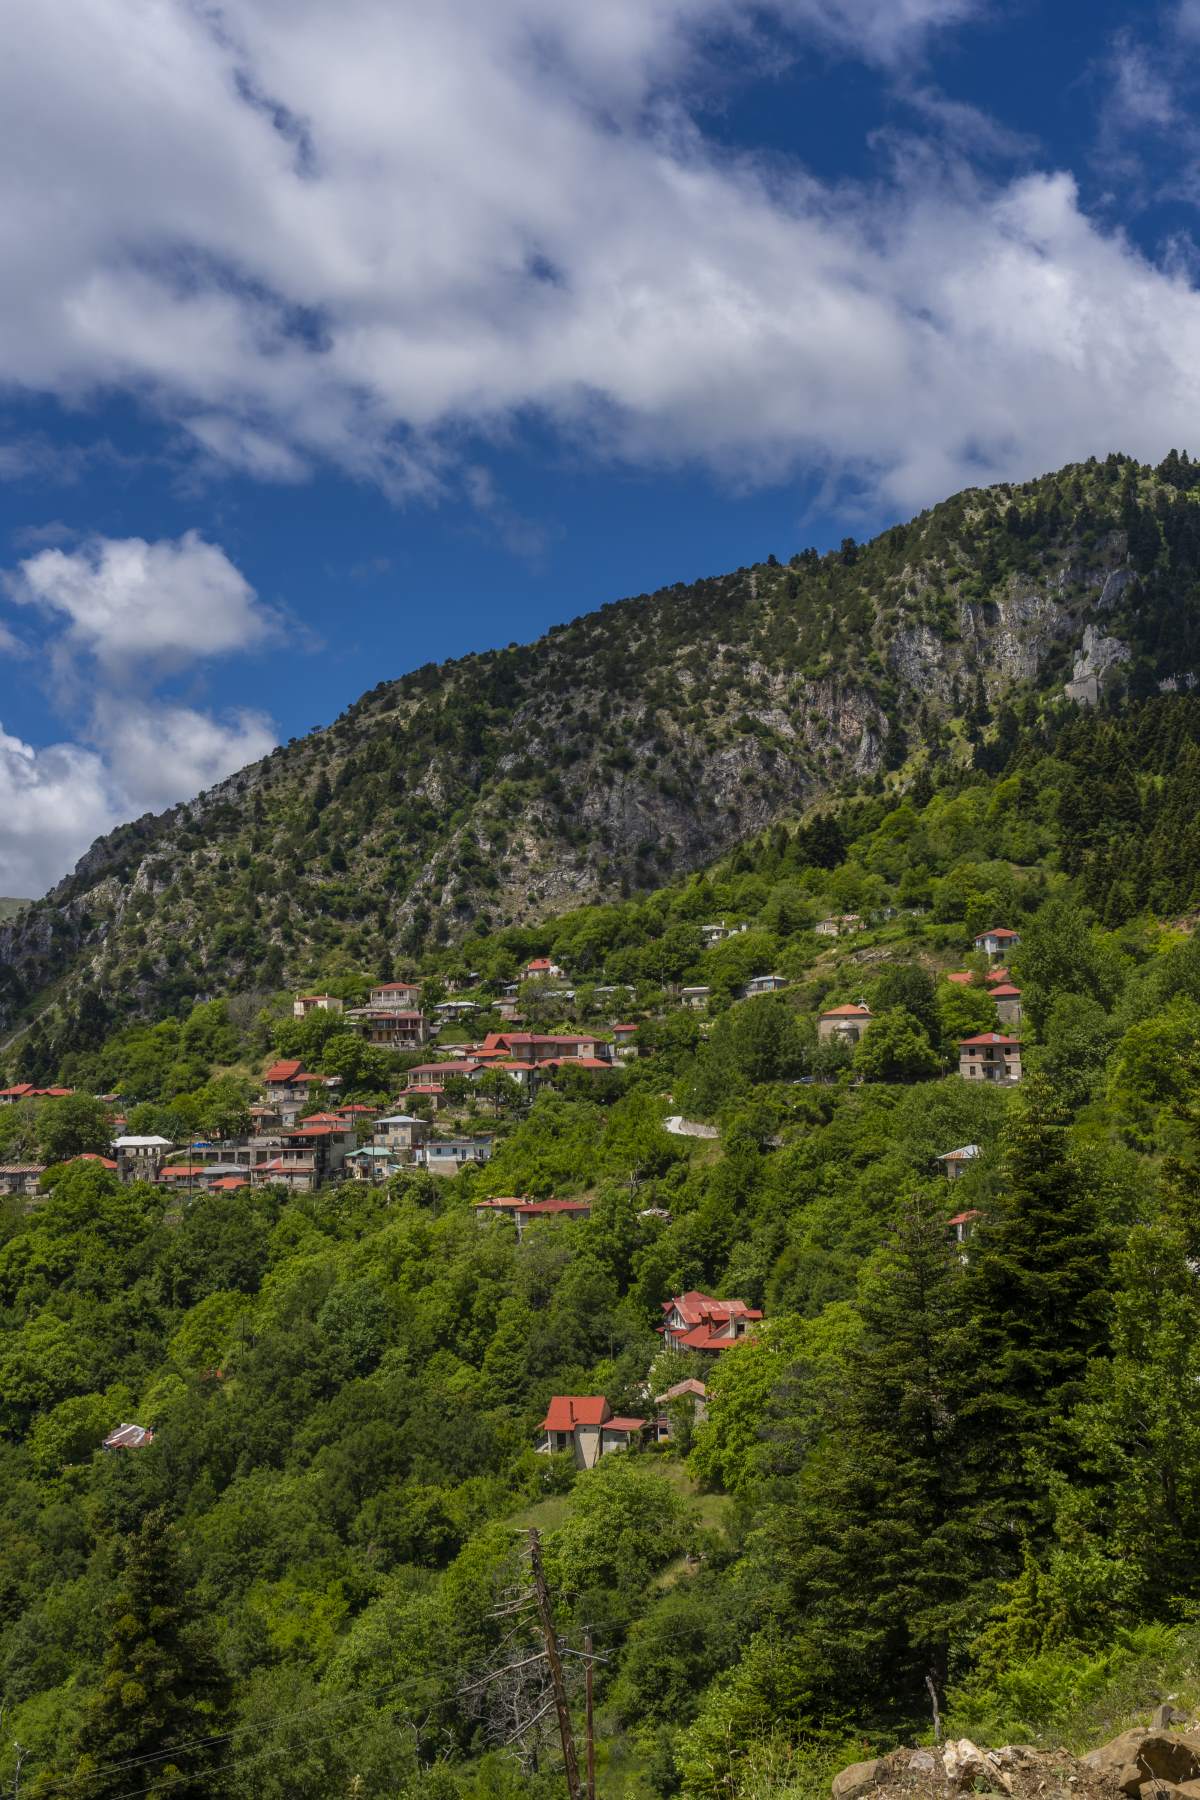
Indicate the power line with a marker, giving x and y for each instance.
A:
(239, 1762)
(136, 1763)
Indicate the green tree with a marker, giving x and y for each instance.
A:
(895, 1047)
(72, 1125)
(875, 1538)
(1039, 1292)
(160, 1686)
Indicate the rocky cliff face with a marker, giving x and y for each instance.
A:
(634, 744)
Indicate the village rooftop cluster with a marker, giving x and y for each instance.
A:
(302, 1146)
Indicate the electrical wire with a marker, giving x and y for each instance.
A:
(134, 1764)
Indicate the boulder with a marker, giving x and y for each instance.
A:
(859, 1778)
(1116, 1754)
(966, 1765)
(921, 1762)
(1138, 1756)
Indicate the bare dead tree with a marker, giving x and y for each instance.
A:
(522, 1696)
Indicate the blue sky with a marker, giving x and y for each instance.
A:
(338, 340)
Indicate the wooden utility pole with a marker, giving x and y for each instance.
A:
(541, 1594)
(591, 1721)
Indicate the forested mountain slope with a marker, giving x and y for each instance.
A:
(643, 739)
(961, 1449)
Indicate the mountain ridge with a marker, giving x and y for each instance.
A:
(648, 737)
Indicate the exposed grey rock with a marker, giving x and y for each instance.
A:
(1118, 583)
(1097, 655)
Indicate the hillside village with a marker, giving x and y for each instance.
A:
(303, 1136)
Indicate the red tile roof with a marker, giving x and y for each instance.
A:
(565, 1411)
(630, 1425)
(988, 1037)
(540, 1208)
(178, 1170)
(709, 1336)
(847, 1012)
(695, 1307)
(106, 1162)
(284, 1071)
(962, 1217)
(996, 931)
(960, 977)
(1004, 990)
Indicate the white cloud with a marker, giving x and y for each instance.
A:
(142, 609)
(117, 617)
(55, 800)
(364, 233)
(359, 234)
(158, 754)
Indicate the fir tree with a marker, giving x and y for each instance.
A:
(874, 1537)
(1039, 1297)
(161, 1685)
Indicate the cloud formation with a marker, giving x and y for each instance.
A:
(117, 617)
(356, 235)
(144, 609)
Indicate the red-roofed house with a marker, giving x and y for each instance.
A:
(963, 1224)
(697, 1321)
(960, 977)
(535, 1047)
(435, 1075)
(288, 1084)
(990, 1057)
(508, 1204)
(543, 968)
(997, 941)
(623, 1044)
(304, 1157)
(10, 1096)
(1008, 1002)
(585, 1424)
(845, 1022)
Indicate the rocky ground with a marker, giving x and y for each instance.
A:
(1158, 1762)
